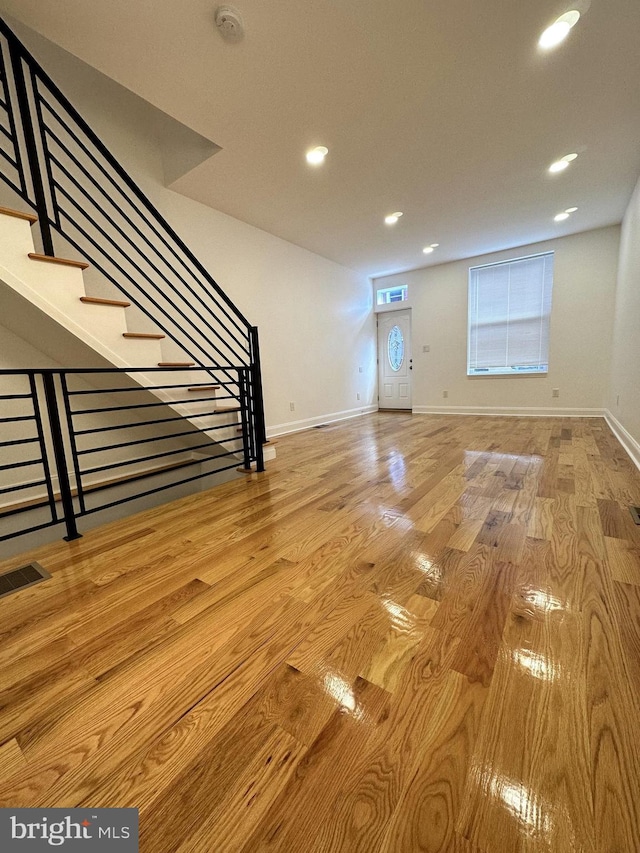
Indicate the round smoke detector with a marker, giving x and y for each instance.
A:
(229, 23)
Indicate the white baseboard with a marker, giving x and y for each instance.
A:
(509, 412)
(625, 438)
(309, 423)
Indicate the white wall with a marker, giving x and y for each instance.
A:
(314, 317)
(624, 396)
(580, 343)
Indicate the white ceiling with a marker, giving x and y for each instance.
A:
(444, 109)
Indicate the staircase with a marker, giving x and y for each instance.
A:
(55, 286)
(107, 269)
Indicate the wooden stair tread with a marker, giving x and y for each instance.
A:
(124, 478)
(96, 300)
(197, 388)
(143, 336)
(31, 218)
(176, 363)
(67, 262)
(227, 409)
(91, 487)
(267, 443)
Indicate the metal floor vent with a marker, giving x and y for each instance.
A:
(635, 513)
(21, 578)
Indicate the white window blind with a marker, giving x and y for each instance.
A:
(509, 313)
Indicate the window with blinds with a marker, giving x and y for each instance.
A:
(509, 313)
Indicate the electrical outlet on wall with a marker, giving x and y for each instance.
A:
(292, 407)
(445, 394)
(555, 392)
(358, 396)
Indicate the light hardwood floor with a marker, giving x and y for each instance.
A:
(410, 634)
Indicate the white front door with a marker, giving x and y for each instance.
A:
(394, 360)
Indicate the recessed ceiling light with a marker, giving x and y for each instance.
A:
(435, 245)
(427, 250)
(392, 218)
(561, 164)
(571, 210)
(561, 217)
(559, 30)
(316, 155)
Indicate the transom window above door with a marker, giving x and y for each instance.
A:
(388, 295)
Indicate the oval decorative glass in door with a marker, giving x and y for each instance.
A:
(395, 348)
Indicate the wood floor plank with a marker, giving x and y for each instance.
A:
(12, 761)
(426, 699)
(463, 586)
(245, 584)
(438, 572)
(309, 654)
(293, 820)
(611, 519)
(43, 695)
(234, 819)
(564, 549)
(362, 541)
(425, 815)
(234, 765)
(436, 503)
(540, 525)
(466, 534)
(623, 560)
(481, 633)
(99, 653)
(529, 788)
(298, 703)
(407, 629)
(626, 605)
(614, 723)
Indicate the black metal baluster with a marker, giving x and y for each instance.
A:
(60, 457)
(72, 438)
(45, 148)
(43, 446)
(244, 417)
(12, 125)
(32, 148)
(256, 382)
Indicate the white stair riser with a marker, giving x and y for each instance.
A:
(49, 279)
(15, 239)
(138, 352)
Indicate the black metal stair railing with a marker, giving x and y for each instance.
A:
(57, 164)
(61, 462)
